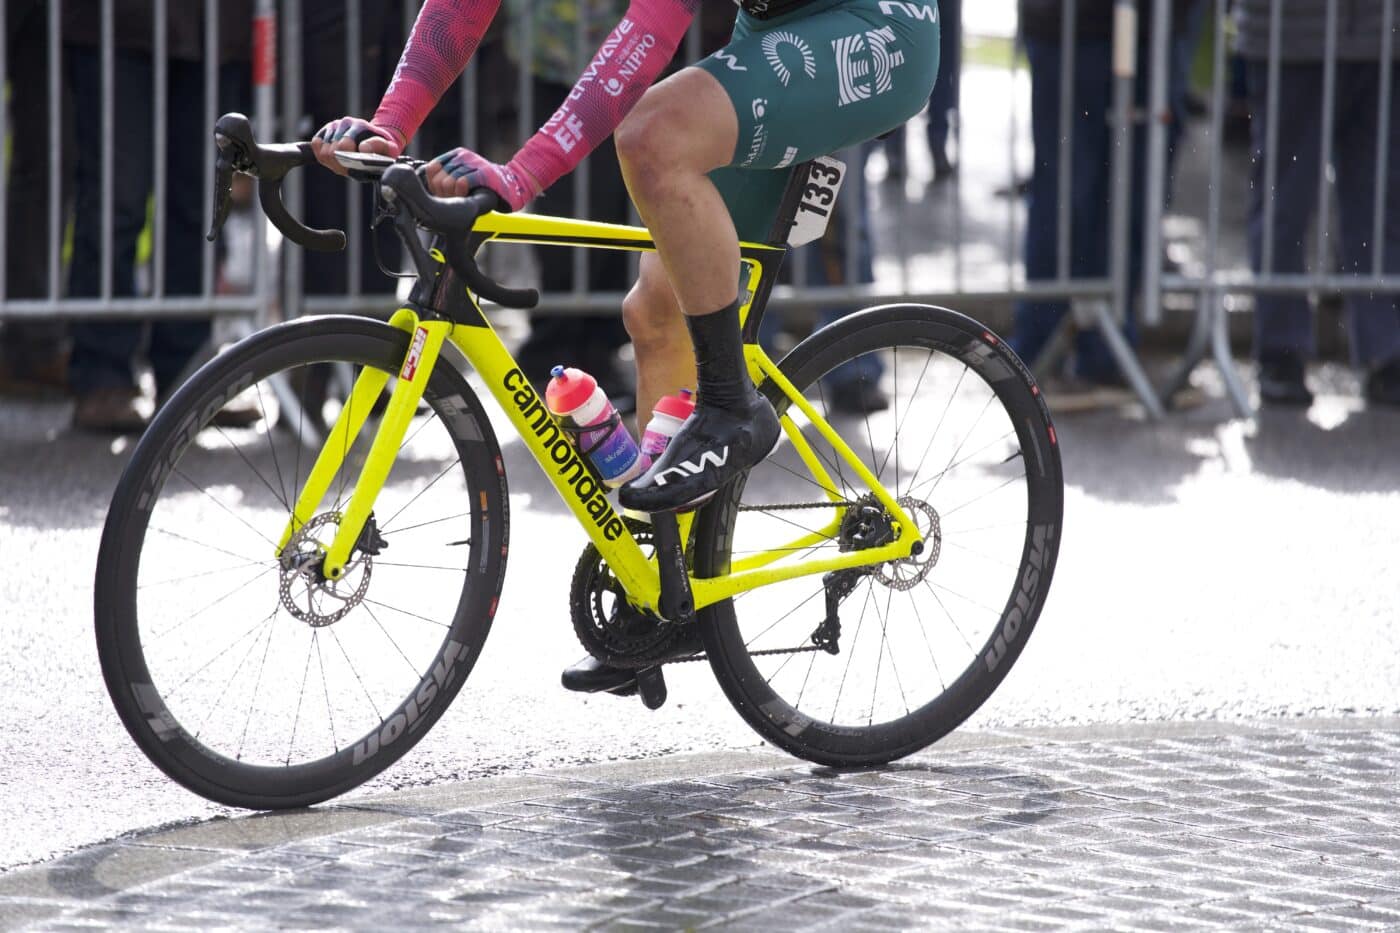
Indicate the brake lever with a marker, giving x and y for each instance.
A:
(223, 193)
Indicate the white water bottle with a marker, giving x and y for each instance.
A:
(575, 396)
(666, 419)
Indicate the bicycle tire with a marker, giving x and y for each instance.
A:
(125, 648)
(779, 721)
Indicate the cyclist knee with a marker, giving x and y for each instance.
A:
(645, 145)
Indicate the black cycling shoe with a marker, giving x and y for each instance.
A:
(713, 447)
(593, 676)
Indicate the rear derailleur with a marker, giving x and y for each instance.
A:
(866, 525)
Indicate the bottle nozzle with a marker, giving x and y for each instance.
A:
(557, 371)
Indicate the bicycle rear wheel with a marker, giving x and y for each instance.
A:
(239, 673)
(967, 447)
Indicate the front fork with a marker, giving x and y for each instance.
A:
(423, 350)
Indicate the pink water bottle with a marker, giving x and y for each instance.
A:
(666, 419)
(574, 396)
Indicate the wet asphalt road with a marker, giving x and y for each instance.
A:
(1210, 568)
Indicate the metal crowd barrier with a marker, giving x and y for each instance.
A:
(278, 287)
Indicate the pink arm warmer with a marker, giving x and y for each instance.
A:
(443, 39)
(628, 62)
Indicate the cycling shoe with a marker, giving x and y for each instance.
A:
(593, 676)
(713, 447)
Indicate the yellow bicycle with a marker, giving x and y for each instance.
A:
(279, 619)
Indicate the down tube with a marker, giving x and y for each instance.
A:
(559, 459)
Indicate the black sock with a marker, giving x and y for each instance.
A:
(721, 375)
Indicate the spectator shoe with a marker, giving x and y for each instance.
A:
(109, 410)
(1383, 385)
(1281, 381)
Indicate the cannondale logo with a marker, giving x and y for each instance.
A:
(855, 64)
(773, 41)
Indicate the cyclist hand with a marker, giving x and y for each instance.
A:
(351, 134)
(461, 171)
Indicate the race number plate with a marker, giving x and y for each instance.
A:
(818, 200)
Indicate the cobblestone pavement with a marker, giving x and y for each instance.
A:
(1108, 828)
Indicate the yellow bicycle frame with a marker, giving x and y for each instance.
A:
(555, 451)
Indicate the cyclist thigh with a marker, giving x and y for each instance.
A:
(829, 76)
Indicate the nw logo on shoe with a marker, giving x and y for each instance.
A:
(690, 468)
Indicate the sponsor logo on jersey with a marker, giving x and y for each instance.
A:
(865, 64)
(789, 157)
(730, 61)
(911, 10)
(565, 127)
(565, 458)
(760, 107)
(775, 41)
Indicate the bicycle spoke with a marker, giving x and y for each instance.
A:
(953, 466)
(178, 472)
(203, 544)
(923, 630)
(385, 532)
(257, 685)
(206, 573)
(229, 647)
(951, 621)
(938, 427)
(411, 615)
(852, 655)
(410, 664)
(749, 643)
(826, 416)
(190, 618)
(961, 444)
(355, 671)
(987, 557)
(899, 422)
(321, 663)
(387, 563)
(984, 495)
(256, 472)
(231, 677)
(423, 490)
(272, 448)
(296, 717)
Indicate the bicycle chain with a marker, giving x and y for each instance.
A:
(702, 656)
(791, 506)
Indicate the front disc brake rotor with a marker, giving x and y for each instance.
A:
(304, 589)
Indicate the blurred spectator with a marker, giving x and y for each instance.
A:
(326, 96)
(1094, 369)
(101, 367)
(33, 358)
(1283, 329)
(588, 341)
(942, 103)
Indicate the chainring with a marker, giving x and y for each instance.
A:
(609, 627)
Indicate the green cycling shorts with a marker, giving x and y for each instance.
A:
(829, 75)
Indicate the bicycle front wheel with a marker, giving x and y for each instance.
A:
(966, 446)
(238, 670)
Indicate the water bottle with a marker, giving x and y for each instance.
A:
(666, 419)
(574, 397)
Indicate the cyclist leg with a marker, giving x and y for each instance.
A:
(783, 91)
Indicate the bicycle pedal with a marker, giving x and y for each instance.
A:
(651, 684)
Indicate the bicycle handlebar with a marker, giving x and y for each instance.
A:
(239, 152)
(400, 183)
(454, 218)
